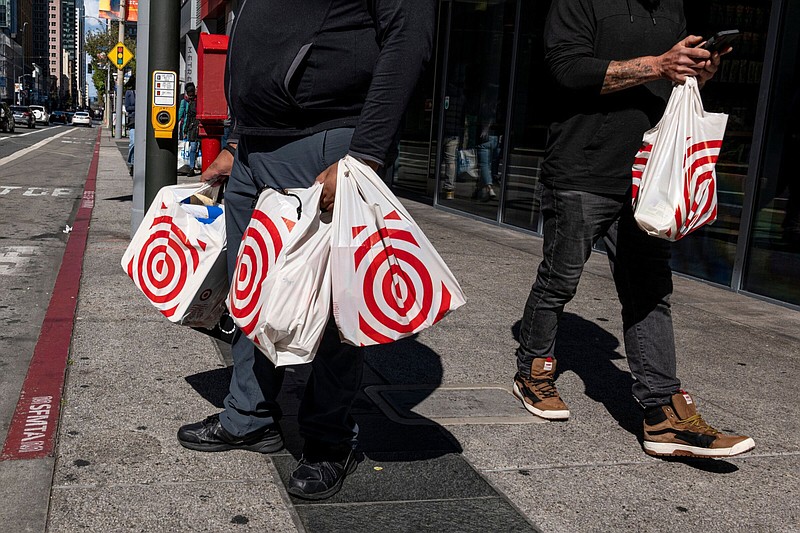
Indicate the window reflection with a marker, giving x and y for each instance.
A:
(709, 253)
(476, 89)
(529, 121)
(773, 268)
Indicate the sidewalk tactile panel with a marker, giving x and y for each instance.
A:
(450, 404)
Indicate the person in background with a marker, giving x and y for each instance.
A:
(130, 109)
(337, 81)
(189, 126)
(613, 62)
(453, 129)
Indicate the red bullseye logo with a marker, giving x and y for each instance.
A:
(164, 264)
(399, 290)
(261, 246)
(698, 205)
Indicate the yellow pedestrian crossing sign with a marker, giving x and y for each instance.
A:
(120, 55)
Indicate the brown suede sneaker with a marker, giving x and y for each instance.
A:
(678, 430)
(538, 392)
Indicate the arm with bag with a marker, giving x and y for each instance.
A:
(388, 280)
(674, 178)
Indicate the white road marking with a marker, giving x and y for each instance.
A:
(32, 132)
(58, 192)
(30, 149)
(13, 258)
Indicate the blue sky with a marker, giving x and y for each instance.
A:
(91, 7)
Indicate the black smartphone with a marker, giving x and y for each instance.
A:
(721, 40)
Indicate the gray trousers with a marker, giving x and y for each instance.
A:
(573, 222)
(324, 416)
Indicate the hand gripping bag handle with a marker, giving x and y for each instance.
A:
(352, 164)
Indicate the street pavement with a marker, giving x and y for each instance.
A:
(447, 448)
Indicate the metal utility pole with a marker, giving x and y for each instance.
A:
(161, 154)
(107, 108)
(120, 77)
(142, 119)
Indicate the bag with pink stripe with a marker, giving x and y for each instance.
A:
(674, 181)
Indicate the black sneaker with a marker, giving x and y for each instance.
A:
(320, 480)
(210, 436)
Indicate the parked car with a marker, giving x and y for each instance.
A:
(41, 114)
(81, 118)
(58, 117)
(6, 118)
(23, 115)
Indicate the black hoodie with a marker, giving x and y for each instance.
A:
(594, 138)
(299, 67)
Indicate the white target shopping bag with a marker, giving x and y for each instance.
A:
(177, 256)
(674, 181)
(281, 290)
(388, 280)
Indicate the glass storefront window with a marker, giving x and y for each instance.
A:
(476, 86)
(709, 253)
(773, 268)
(412, 170)
(529, 121)
(469, 148)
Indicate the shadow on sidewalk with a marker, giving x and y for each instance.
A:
(212, 385)
(401, 363)
(588, 350)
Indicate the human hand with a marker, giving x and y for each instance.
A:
(711, 67)
(685, 59)
(328, 180)
(219, 170)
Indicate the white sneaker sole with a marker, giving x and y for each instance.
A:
(549, 415)
(684, 450)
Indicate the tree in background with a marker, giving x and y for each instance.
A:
(97, 45)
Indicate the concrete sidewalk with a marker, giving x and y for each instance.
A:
(447, 447)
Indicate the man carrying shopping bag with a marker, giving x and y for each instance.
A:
(613, 61)
(336, 81)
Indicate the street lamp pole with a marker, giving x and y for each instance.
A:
(18, 94)
(106, 100)
(120, 79)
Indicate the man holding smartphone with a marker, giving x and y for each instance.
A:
(613, 62)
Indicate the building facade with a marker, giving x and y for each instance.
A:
(17, 79)
(64, 25)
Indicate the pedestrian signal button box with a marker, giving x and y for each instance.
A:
(164, 102)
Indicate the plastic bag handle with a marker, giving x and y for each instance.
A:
(206, 186)
(697, 101)
(383, 233)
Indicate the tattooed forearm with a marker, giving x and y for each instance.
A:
(624, 74)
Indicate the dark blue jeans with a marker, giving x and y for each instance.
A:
(573, 222)
(324, 417)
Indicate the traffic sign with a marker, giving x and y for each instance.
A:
(120, 55)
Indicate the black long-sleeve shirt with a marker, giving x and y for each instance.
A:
(594, 138)
(297, 68)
